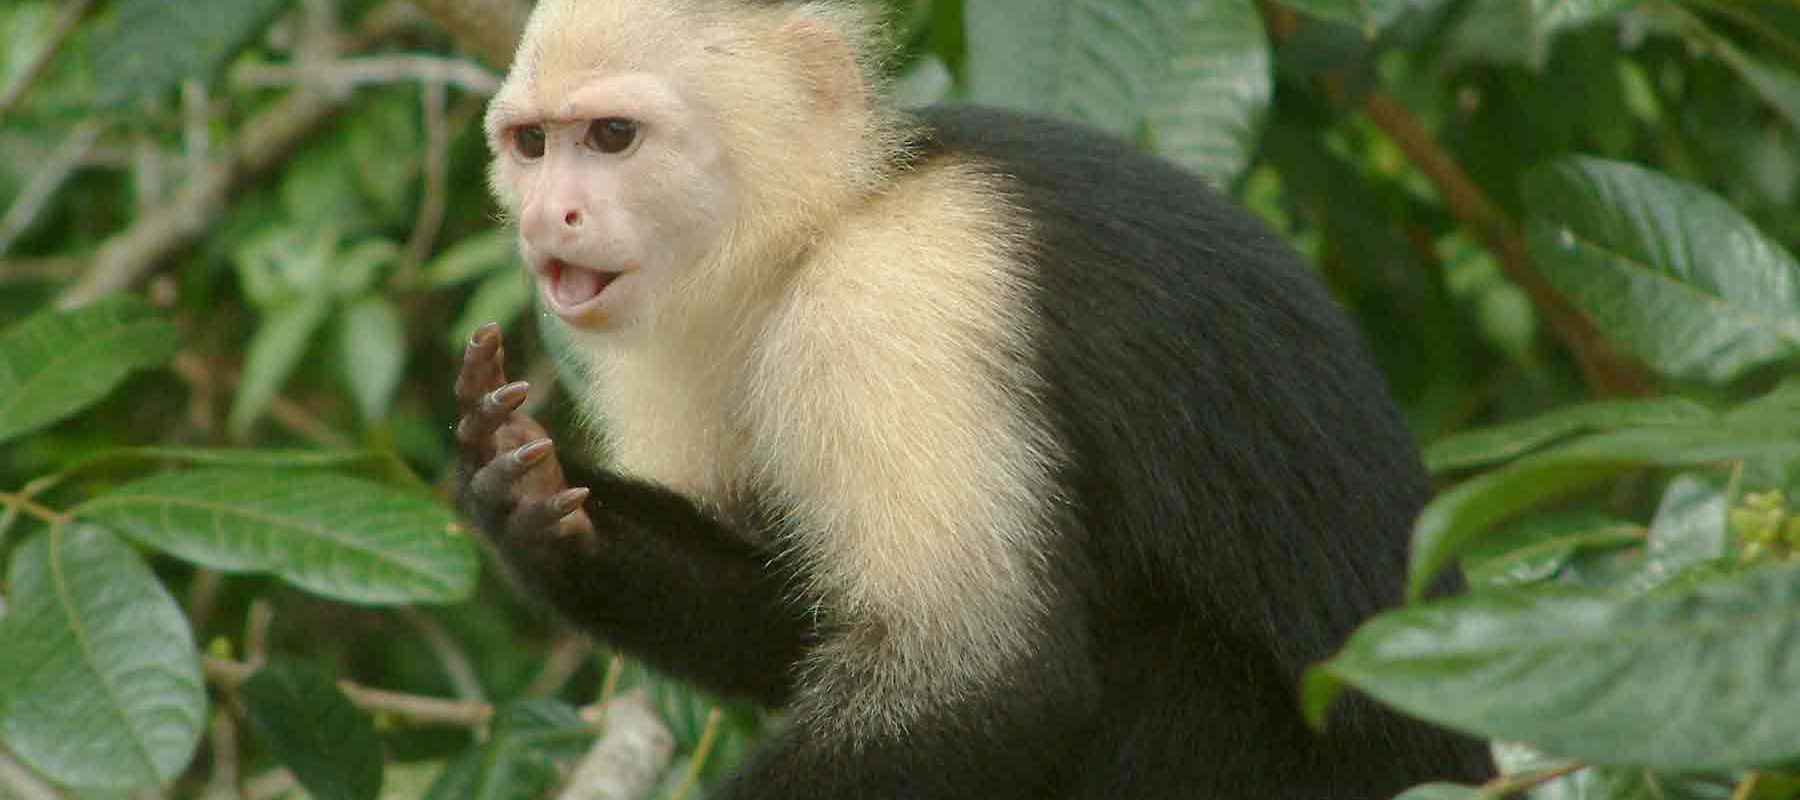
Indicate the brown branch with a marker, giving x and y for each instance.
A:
(1608, 372)
(489, 28)
(633, 751)
(72, 14)
(416, 709)
(50, 176)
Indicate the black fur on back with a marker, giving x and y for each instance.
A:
(1245, 486)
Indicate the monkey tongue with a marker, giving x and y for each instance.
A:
(572, 285)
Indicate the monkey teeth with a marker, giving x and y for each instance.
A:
(570, 285)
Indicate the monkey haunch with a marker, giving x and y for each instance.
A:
(1009, 462)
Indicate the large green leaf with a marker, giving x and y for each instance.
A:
(149, 46)
(1099, 61)
(340, 537)
(1503, 442)
(106, 684)
(1454, 520)
(1206, 112)
(314, 729)
(1703, 678)
(520, 759)
(1665, 268)
(54, 364)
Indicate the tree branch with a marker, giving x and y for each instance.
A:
(633, 751)
(489, 28)
(417, 709)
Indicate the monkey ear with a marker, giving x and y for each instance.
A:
(826, 62)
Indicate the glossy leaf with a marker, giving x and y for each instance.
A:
(106, 683)
(314, 729)
(1207, 111)
(372, 352)
(1697, 679)
(1453, 520)
(149, 46)
(54, 364)
(1504, 442)
(1098, 61)
(1665, 268)
(519, 760)
(339, 537)
(275, 350)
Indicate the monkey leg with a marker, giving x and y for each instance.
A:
(637, 564)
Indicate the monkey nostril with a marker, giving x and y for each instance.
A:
(572, 219)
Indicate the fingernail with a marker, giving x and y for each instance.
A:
(512, 394)
(534, 451)
(571, 499)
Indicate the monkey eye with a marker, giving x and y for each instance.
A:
(529, 140)
(612, 135)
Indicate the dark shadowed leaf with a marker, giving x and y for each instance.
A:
(53, 364)
(1503, 442)
(340, 537)
(106, 683)
(149, 46)
(1207, 111)
(1665, 268)
(519, 760)
(1369, 16)
(1520, 32)
(315, 730)
(1697, 679)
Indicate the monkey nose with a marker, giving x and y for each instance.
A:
(572, 218)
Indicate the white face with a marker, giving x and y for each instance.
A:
(618, 185)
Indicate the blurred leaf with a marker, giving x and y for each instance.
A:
(372, 347)
(275, 350)
(1369, 16)
(356, 271)
(1207, 111)
(147, 47)
(1542, 548)
(284, 262)
(500, 298)
(339, 537)
(1665, 268)
(519, 760)
(1521, 31)
(1457, 517)
(384, 142)
(478, 254)
(1692, 680)
(314, 729)
(55, 364)
(107, 689)
(1098, 61)
(1504, 442)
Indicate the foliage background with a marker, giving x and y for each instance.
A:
(243, 239)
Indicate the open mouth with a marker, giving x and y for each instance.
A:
(572, 286)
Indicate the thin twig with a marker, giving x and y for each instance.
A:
(457, 666)
(222, 784)
(1506, 785)
(72, 14)
(567, 653)
(196, 371)
(196, 127)
(344, 74)
(270, 785)
(1746, 787)
(434, 195)
(31, 507)
(416, 709)
(203, 592)
(257, 622)
(48, 178)
(702, 752)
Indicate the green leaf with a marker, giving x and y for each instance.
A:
(275, 350)
(146, 47)
(379, 465)
(372, 352)
(1098, 61)
(479, 254)
(519, 760)
(1699, 679)
(1521, 31)
(1505, 442)
(1206, 112)
(1369, 16)
(1689, 530)
(1453, 520)
(107, 690)
(314, 729)
(1545, 548)
(356, 271)
(54, 364)
(339, 537)
(1665, 268)
(500, 298)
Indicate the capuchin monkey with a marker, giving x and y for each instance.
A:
(1006, 461)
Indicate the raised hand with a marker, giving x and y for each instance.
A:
(508, 477)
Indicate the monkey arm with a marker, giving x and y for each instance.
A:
(665, 581)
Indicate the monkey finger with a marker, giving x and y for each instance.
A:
(499, 477)
(545, 514)
(475, 431)
(484, 365)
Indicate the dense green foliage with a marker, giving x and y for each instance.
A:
(1566, 226)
